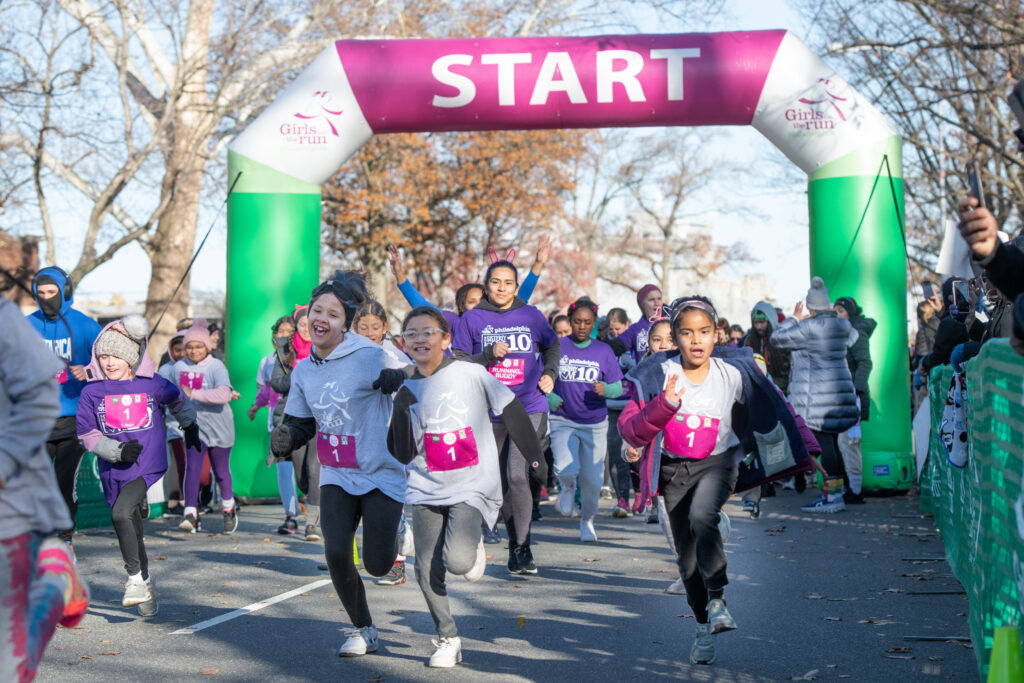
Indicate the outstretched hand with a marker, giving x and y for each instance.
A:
(397, 265)
(798, 311)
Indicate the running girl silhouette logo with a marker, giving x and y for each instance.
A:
(318, 110)
(824, 107)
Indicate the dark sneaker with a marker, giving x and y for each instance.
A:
(800, 483)
(752, 508)
(313, 533)
(492, 535)
(145, 509)
(513, 558)
(524, 560)
(851, 498)
(190, 524)
(394, 577)
(290, 526)
(230, 521)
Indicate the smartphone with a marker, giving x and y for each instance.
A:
(1016, 102)
(929, 290)
(974, 182)
(962, 295)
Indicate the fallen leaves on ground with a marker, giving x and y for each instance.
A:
(110, 654)
(522, 621)
(591, 559)
(775, 530)
(876, 621)
(209, 672)
(832, 618)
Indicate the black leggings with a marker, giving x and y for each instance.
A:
(65, 453)
(340, 513)
(831, 458)
(517, 496)
(695, 491)
(127, 518)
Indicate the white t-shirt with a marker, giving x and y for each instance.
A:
(712, 399)
(456, 455)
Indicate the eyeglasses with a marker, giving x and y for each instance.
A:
(426, 334)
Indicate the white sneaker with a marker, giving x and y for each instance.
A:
(587, 532)
(136, 591)
(407, 546)
(480, 564)
(566, 499)
(360, 641)
(447, 654)
(677, 588)
(724, 527)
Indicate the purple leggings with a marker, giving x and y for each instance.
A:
(219, 459)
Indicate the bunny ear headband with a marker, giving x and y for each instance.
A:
(510, 256)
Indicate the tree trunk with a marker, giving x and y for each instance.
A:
(170, 249)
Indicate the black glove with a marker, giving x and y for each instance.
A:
(389, 380)
(281, 441)
(404, 399)
(192, 441)
(130, 451)
(865, 407)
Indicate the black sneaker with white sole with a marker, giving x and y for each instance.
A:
(190, 524)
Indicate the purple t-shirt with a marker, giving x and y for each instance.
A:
(123, 411)
(527, 333)
(635, 338)
(578, 369)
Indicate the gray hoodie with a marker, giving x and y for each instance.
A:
(29, 499)
(338, 393)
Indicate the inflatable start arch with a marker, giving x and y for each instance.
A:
(767, 79)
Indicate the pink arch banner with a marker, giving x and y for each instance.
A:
(658, 80)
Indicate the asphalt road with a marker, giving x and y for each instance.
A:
(818, 597)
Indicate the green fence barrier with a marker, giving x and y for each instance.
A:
(979, 509)
(93, 510)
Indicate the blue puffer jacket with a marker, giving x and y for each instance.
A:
(70, 335)
(820, 384)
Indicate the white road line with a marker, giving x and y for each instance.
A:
(249, 608)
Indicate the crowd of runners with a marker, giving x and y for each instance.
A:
(428, 438)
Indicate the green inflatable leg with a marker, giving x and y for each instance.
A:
(273, 247)
(875, 275)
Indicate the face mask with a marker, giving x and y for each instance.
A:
(50, 307)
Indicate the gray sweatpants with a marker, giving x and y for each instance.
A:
(446, 539)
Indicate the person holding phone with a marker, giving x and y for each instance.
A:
(957, 324)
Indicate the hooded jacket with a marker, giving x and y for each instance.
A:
(764, 417)
(69, 335)
(777, 360)
(333, 399)
(29, 500)
(820, 384)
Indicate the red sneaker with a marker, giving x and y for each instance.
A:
(57, 557)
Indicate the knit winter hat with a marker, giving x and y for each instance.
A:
(817, 295)
(199, 333)
(123, 340)
(847, 302)
(642, 294)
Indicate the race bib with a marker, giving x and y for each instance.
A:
(62, 376)
(191, 379)
(336, 450)
(450, 450)
(691, 436)
(509, 371)
(127, 411)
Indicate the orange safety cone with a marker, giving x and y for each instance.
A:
(1006, 664)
